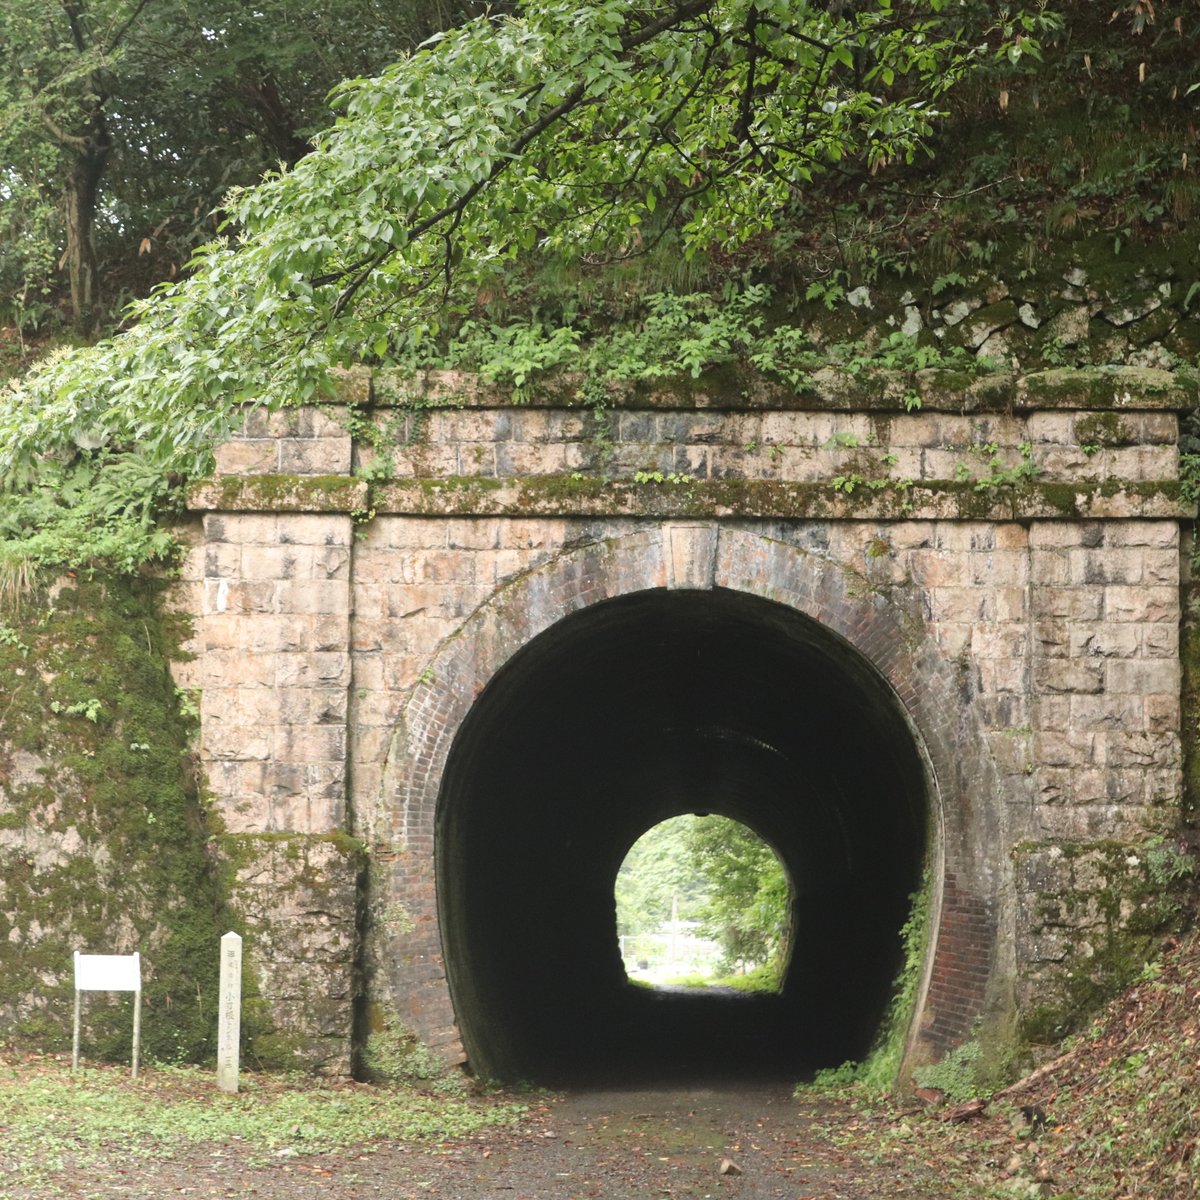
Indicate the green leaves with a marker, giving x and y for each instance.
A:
(590, 130)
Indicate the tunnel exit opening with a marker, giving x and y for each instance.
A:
(625, 714)
(703, 901)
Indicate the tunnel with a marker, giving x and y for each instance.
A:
(619, 716)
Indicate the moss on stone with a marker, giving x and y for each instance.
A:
(111, 853)
(1109, 388)
(1189, 654)
(1113, 901)
(1102, 429)
(280, 493)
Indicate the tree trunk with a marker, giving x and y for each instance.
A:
(82, 189)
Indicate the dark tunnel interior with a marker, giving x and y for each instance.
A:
(623, 715)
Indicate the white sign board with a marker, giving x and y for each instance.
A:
(108, 972)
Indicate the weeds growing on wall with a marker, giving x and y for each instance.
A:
(880, 1069)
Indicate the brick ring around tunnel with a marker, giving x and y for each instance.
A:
(685, 669)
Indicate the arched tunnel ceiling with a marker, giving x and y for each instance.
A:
(624, 714)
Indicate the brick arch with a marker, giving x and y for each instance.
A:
(885, 629)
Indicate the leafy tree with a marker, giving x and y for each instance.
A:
(122, 122)
(747, 897)
(658, 877)
(582, 129)
(714, 870)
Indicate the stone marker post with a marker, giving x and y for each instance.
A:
(229, 1014)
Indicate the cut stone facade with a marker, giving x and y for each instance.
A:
(1005, 554)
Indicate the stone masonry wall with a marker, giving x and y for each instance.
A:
(1021, 538)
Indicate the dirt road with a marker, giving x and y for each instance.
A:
(750, 1142)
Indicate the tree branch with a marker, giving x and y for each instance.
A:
(130, 21)
(72, 141)
(363, 269)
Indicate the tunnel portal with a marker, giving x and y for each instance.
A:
(614, 719)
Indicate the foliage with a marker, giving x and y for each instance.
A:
(954, 1076)
(591, 131)
(716, 871)
(396, 1055)
(101, 101)
(657, 879)
(763, 978)
(748, 904)
(100, 506)
(1113, 1114)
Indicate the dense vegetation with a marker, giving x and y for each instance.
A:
(123, 123)
(610, 131)
(717, 873)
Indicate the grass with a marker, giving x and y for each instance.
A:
(53, 1120)
(763, 978)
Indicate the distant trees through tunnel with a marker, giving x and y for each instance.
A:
(702, 900)
(624, 715)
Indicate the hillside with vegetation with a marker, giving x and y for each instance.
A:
(696, 190)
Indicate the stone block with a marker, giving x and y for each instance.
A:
(477, 459)
(1068, 603)
(520, 459)
(1131, 748)
(1068, 749)
(1052, 712)
(222, 560)
(318, 669)
(999, 568)
(1144, 676)
(1160, 639)
(327, 631)
(1161, 567)
(1062, 462)
(273, 633)
(635, 428)
(1102, 712)
(297, 597)
(221, 632)
(331, 561)
(1104, 641)
(276, 562)
(1003, 675)
(219, 739)
(1055, 535)
(1107, 564)
(250, 457)
(961, 604)
(1055, 428)
(230, 666)
(681, 428)
(1147, 603)
(1163, 714)
(310, 743)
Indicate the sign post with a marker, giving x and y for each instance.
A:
(229, 1014)
(109, 973)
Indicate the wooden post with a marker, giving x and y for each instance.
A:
(229, 1013)
(75, 1038)
(137, 1027)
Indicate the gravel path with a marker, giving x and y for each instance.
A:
(733, 1142)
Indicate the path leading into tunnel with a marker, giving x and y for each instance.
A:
(752, 1141)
